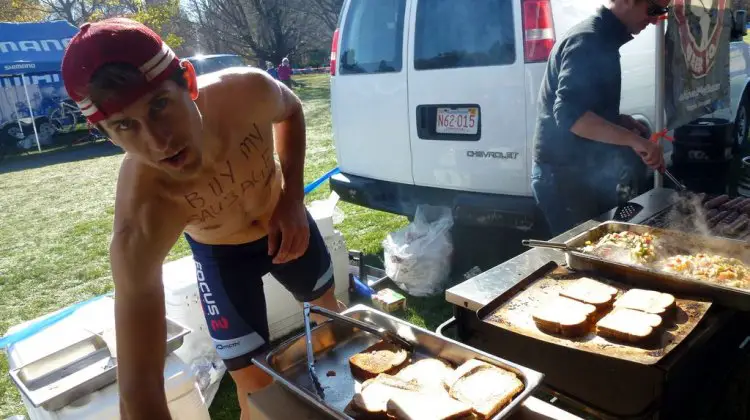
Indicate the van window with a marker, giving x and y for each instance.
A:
(452, 33)
(372, 41)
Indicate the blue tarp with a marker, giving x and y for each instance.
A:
(33, 47)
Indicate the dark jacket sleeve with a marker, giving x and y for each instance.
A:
(577, 81)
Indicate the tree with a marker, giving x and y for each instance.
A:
(268, 30)
(74, 11)
(327, 11)
(157, 15)
(161, 17)
(21, 11)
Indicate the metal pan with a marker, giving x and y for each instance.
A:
(62, 377)
(334, 342)
(678, 242)
(512, 311)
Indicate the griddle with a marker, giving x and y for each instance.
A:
(601, 386)
(513, 310)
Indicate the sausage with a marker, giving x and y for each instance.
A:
(729, 205)
(716, 219)
(716, 201)
(738, 225)
(728, 220)
(746, 207)
(740, 205)
(711, 213)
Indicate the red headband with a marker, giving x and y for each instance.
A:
(116, 40)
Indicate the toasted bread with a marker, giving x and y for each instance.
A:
(372, 400)
(485, 387)
(586, 290)
(429, 373)
(382, 357)
(648, 301)
(565, 316)
(628, 325)
(427, 406)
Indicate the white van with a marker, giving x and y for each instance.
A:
(435, 101)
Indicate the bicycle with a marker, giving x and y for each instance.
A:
(65, 116)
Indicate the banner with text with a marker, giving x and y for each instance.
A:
(697, 62)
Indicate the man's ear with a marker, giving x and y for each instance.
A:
(191, 78)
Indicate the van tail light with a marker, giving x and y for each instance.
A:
(334, 51)
(538, 30)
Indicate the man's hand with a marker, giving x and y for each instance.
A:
(289, 226)
(650, 152)
(634, 125)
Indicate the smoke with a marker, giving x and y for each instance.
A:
(687, 214)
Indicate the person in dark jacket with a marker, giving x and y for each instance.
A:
(585, 151)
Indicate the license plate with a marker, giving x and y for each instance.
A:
(457, 121)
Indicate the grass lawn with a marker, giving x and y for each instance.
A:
(56, 227)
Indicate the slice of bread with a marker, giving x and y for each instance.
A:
(485, 387)
(429, 373)
(590, 291)
(564, 316)
(648, 301)
(628, 325)
(372, 400)
(427, 406)
(381, 357)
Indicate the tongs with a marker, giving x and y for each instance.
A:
(680, 186)
(533, 243)
(384, 334)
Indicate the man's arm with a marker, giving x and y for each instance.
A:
(290, 140)
(289, 231)
(577, 94)
(140, 243)
(594, 127)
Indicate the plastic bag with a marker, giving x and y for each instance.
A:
(418, 257)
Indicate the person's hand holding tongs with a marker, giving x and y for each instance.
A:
(652, 153)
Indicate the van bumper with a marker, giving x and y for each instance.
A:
(469, 209)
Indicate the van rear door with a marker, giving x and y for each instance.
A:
(467, 99)
(369, 93)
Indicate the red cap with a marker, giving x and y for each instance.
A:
(116, 40)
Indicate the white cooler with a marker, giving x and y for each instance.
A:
(183, 396)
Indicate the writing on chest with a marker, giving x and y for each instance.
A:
(246, 172)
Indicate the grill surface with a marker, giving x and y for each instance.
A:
(513, 311)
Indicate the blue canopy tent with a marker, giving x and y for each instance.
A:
(30, 59)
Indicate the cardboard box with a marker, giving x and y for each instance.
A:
(388, 300)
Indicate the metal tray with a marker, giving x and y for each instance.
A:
(513, 310)
(681, 242)
(62, 377)
(334, 343)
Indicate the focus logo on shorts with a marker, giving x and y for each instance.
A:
(227, 346)
(205, 291)
(220, 324)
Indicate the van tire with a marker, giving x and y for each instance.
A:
(742, 122)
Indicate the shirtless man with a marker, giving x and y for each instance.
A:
(200, 160)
